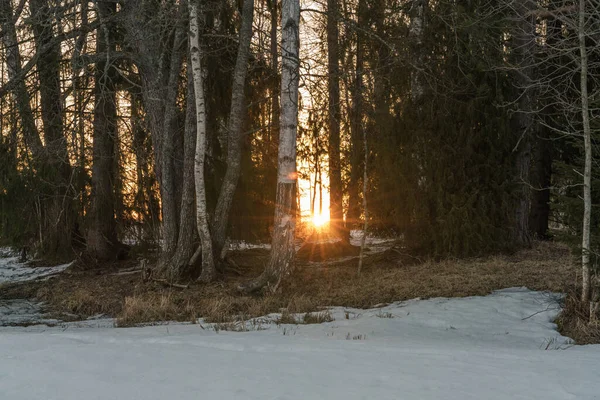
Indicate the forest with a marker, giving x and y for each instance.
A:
(162, 131)
(299, 199)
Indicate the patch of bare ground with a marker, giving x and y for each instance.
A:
(386, 277)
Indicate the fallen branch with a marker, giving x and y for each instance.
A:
(165, 282)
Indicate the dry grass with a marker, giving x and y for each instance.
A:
(574, 322)
(546, 266)
(317, 317)
(140, 309)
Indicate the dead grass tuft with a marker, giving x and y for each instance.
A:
(286, 318)
(573, 321)
(317, 317)
(142, 309)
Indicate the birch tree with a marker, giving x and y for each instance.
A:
(208, 265)
(280, 263)
(587, 174)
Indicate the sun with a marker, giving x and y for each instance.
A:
(318, 220)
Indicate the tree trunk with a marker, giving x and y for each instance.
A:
(59, 218)
(333, 86)
(281, 258)
(523, 121)
(587, 174)
(541, 181)
(179, 264)
(19, 92)
(220, 220)
(208, 266)
(102, 235)
(160, 88)
(415, 33)
(355, 126)
(363, 240)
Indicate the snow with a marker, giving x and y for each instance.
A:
(502, 346)
(21, 311)
(11, 270)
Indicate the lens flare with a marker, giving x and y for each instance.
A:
(319, 220)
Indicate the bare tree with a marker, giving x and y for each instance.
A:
(281, 259)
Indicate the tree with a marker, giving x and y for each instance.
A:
(102, 240)
(334, 116)
(208, 265)
(281, 258)
(234, 131)
(587, 174)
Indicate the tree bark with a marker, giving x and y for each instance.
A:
(179, 264)
(587, 174)
(58, 210)
(220, 220)
(280, 264)
(523, 122)
(356, 123)
(102, 240)
(170, 216)
(541, 181)
(333, 87)
(415, 33)
(19, 92)
(208, 266)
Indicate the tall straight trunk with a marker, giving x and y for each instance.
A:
(208, 266)
(333, 87)
(270, 158)
(356, 123)
(19, 93)
(165, 130)
(102, 240)
(59, 217)
(179, 264)
(523, 121)
(363, 240)
(541, 180)
(415, 33)
(587, 174)
(543, 151)
(281, 258)
(237, 113)
(274, 129)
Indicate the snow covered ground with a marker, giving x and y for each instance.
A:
(22, 311)
(502, 346)
(11, 270)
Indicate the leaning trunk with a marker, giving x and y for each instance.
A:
(235, 135)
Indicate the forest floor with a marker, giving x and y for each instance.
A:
(119, 290)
